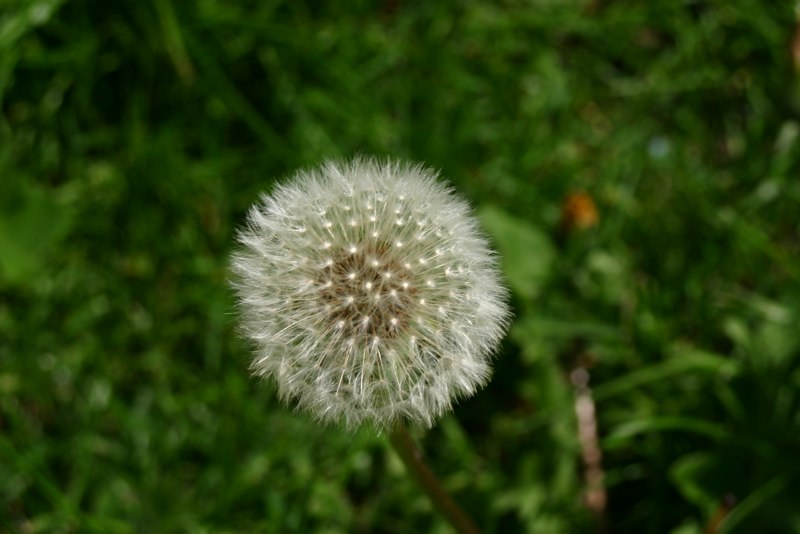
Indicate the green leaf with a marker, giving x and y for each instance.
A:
(691, 425)
(701, 479)
(32, 222)
(527, 251)
(683, 360)
(754, 502)
(25, 18)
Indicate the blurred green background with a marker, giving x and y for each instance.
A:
(134, 135)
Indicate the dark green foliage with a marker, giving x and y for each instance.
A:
(135, 134)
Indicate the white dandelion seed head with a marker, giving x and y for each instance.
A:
(369, 293)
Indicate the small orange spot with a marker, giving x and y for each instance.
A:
(579, 212)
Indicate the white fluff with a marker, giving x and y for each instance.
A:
(370, 293)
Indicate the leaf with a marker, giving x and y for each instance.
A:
(24, 19)
(30, 226)
(753, 502)
(702, 479)
(692, 425)
(683, 360)
(527, 251)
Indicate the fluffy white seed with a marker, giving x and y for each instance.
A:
(363, 325)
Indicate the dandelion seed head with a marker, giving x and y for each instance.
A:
(386, 307)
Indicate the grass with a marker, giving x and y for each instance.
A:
(134, 135)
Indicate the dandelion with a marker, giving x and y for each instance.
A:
(370, 294)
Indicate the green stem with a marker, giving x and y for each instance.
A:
(412, 457)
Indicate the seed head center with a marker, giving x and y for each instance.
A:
(368, 294)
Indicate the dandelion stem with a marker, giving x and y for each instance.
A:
(412, 457)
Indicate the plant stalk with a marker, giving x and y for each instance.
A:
(412, 457)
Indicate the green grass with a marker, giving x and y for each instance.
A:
(135, 134)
